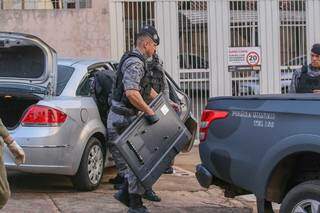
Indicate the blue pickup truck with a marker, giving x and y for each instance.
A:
(265, 145)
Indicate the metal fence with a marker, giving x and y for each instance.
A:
(135, 15)
(293, 39)
(191, 46)
(44, 4)
(244, 32)
(278, 28)
(193, 54)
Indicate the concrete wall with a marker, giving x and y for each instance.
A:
(82, 33)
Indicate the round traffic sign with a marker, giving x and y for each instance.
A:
(253, 58)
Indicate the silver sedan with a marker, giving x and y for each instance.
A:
(48, 107)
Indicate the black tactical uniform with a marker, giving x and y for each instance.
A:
(306, 79)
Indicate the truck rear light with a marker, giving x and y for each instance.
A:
(43, 116)
(208, 116)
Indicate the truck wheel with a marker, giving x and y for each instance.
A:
(303, 198)
(89, 174)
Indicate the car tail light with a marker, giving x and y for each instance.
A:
(208, 116)
(43, 116)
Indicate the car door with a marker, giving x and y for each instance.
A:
(179, 97)
(27, 63)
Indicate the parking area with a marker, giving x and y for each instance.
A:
(180, 192)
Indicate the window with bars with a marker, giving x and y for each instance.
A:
(193, 35)
(193, 53)
(244, 32)
(293, 39)
(136, 14)
(44, 4)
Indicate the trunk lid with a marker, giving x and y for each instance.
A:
(27, 63)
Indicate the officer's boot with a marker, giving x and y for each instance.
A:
(123, 194)
(136, 205)
(151, 195)
(119, 179)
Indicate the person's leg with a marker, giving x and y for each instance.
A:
(4, 185)
(170, 169)
(122, 195)
(120, 163)
(136, 190)
(151, 195)
(131, 192)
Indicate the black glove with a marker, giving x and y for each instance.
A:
(152, 119)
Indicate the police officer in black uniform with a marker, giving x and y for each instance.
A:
(131, 93)
(307, 79)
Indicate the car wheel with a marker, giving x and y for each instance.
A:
(303, 198)
(89, 174)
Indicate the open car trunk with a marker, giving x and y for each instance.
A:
(12, 108)
(26, 61)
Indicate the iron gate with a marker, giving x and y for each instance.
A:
(195, 36)
(188, 49)
(193, 52)
(293, 39)
(244, 32)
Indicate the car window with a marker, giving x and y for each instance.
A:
(173, 93)
(63, 76)
(178, 96)
(84, 88)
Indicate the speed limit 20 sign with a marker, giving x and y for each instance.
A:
(244, 56)
(253, 58)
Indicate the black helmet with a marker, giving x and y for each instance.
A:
(151, 32)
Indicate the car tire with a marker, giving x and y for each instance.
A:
(302, 197)
(90, 171)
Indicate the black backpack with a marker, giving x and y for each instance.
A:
(101, 88)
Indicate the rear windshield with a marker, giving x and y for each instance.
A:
(21, 62)
(64, 75)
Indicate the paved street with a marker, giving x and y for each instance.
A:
(180, 192)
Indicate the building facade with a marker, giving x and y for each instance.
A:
(74, 28)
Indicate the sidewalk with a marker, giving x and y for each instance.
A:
(180, 192)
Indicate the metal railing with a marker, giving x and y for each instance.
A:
(193, 54)
(244, 32)
(293, 39)
(44, 4)
(192, 43)
(135, 15)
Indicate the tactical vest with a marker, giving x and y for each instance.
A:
(118, 93)
(307, 83)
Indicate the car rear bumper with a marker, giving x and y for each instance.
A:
(48, 150)
(48, 160)
(204, 177)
